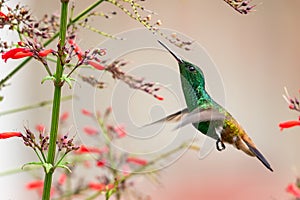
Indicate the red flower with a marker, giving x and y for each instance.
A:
(120, 130)
(77, 49)
(35, 184)
(38, 185)
(6, 135)
(101, 163)
(96, 65)
(293, 189)
(96, 186)
(45, 52)
(158, 97)
(83, 149)
(64, 117)
(288, 124)
(3, 16)
(86, 112)
(100, 186)
(22, 52)
(62, 179)
(90, 130)
(16, 53)
(137, 161)
(40, 128)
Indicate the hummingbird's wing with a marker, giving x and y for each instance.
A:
(201, 115)
(171, 118)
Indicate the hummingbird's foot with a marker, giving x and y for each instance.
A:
(220, 145)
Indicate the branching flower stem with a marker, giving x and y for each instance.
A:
(56, 99)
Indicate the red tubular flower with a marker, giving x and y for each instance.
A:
(96, 186)
(22, 52)
(3, 16)
(38, 185)
(86, 112)
(83, 149)
(90, 130)
(96, 65)
(293, 189)
(100, 163)
(16, 53)
(77, 49)
(100, 186)
(137, 161)
(288, 124)
(158, 97)
(6, 135)
(64, 117)
(120, 130)
(62, 179)
(35, 184)
(45, 52)
(40, 128)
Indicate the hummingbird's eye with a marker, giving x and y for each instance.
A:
(192, 68)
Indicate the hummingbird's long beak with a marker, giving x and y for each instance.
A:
(179, 60)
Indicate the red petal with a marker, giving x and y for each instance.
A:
(16, 53)
(10, 134)
(2, 15)
(137, 161)
(62, 179)
(100, 163)
(288, 124)
(120, 130)
(158, 97)
(76, 49)
(86, 112)
(96, 65)
(90, 130)
(293, 189)
(35, 184)
(96, 186)
(83, 149)
(40, 128)
(45, 52)
(64, 117)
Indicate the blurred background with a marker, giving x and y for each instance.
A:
(256, 56)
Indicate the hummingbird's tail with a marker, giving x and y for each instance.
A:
(253, 151)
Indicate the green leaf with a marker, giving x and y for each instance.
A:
(68, 80)
(47, 166)
(32, 163)
(48, 78)
(1, 98)
(64, 166)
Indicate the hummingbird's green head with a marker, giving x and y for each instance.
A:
(188, 71)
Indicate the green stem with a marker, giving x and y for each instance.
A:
(18, 170)
(38, 155)
(72, 21)
(108, 144)
(56, 99)
(37, 105)
(60, 160)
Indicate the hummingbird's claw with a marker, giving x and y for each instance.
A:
(220, 145)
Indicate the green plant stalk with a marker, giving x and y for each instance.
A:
(36, 105)
(71, 22)
(56, 99)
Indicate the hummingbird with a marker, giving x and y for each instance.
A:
(206, 115)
